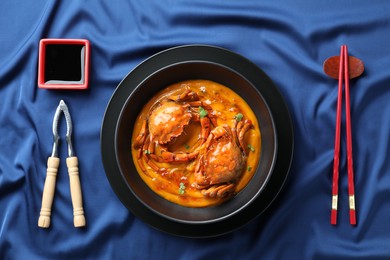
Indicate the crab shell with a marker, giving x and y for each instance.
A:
(167, 121)
(224, 162)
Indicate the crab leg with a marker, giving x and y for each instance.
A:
(142, 135)
(235, 132)
(215, 133)
(151, 147)
(205, 124)
(225, 190)
(147, 157)
(145, 152)
(208, 141)
(178, 157)
(200, 180)
(141, 164)
(152, 164)
(145, 146)
(242, 132)
(185, 96)
(139, 153)
(207, 107)
(239, 126)
(219, 191)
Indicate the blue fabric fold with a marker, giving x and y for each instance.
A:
(289, 40)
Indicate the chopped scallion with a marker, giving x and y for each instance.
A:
(238, 117)
(182, 188)
(202, 112)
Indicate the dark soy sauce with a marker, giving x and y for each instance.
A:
(63, 62)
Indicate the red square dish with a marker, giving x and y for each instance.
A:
(63, 64)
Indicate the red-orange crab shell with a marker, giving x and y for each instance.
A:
(168, 120)
(222, 163)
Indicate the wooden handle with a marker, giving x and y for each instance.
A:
(75, 191)
(48, 192)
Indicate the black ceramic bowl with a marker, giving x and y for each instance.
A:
(185, 63)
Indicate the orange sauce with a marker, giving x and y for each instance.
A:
(176, 184)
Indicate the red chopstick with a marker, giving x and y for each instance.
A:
(351, 187)
(336, 156)
(343, 68)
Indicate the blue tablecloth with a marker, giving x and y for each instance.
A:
(289, 40)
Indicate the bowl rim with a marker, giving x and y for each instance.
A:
(273, 99)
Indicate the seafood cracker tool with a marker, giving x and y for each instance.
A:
(52, 170)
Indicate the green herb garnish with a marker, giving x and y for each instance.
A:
(251, 147)
(202, 112)
(186, 146)
(238, 117)
(182, 188)
(249, 168)
(146, 151)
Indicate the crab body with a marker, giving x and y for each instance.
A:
(167, 121)
(223, 161)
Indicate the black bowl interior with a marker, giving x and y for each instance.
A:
(148, 88)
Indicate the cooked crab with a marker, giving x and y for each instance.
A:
(222, 161)
(166, 121)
